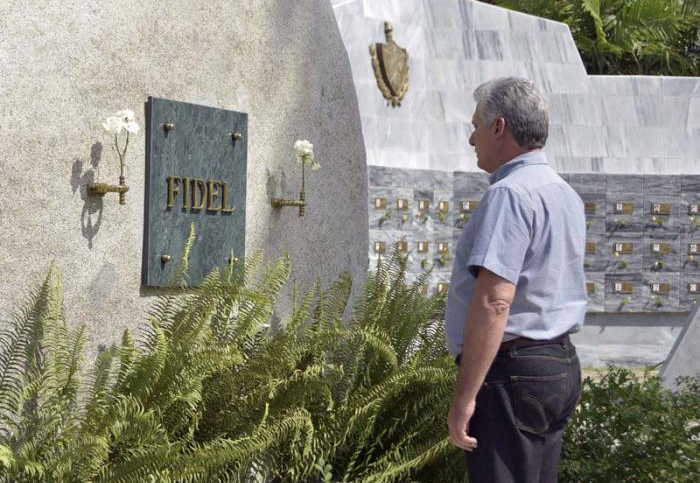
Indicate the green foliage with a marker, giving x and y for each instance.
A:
(630, 429)
(642, 37)
(209, 390)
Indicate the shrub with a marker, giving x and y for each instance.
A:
(631, 429)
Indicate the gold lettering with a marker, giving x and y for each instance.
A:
(213, 195)
(186, 202)
(199, 186)
(225, 208)
(173, 189)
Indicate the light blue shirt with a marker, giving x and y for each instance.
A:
(529, 228)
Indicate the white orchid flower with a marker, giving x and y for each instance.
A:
(305, 153)
(126, 114)
(113, 124)
(132, 127)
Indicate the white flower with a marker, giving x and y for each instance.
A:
(126, 114)
(113, 124)
(305, 153)
(132, 127)
(122, 120)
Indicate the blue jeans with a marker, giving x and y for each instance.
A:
(521, 412)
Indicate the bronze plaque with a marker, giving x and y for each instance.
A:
(623, 208)
(660, 287)
(590, 287)
(661, 208)
(694, 287)
(379, 247)
(694, 209)
(623, 247)
(469, 206)
(693, 248)
(390, 64)
(589, 208)
(622, 287)
(380, 203)
(402, 204)
(590, 248)
(661, 248)
(443, 247)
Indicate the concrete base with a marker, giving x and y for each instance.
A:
(684, 359)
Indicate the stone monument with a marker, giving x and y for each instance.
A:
(68, 65)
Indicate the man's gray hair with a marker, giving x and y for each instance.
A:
(520, 104)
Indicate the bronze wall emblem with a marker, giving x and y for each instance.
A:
(390, 64)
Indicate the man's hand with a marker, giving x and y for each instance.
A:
(458, 422)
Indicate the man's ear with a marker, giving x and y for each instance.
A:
(499, 126)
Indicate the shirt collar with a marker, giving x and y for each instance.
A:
(526, 159)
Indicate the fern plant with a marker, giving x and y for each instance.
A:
(209, 391)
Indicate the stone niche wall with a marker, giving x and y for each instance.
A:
(643, 232)
(68, 64)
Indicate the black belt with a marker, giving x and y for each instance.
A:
(519, 342)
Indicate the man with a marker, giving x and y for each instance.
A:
(517, 290)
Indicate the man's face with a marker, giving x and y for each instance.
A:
(484, 141)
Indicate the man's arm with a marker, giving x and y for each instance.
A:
(483, 333)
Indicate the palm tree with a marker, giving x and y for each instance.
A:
(643, 37)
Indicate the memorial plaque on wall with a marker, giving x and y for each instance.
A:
(196, 165)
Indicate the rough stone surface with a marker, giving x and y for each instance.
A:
(684, 359)
(67, 64)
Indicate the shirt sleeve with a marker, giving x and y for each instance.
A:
(501, 234)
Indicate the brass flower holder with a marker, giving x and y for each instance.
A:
(101, 189)
(301, 202)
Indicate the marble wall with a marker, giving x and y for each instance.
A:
(607, 124)
(614, 138)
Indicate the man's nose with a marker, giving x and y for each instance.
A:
(471, 138)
